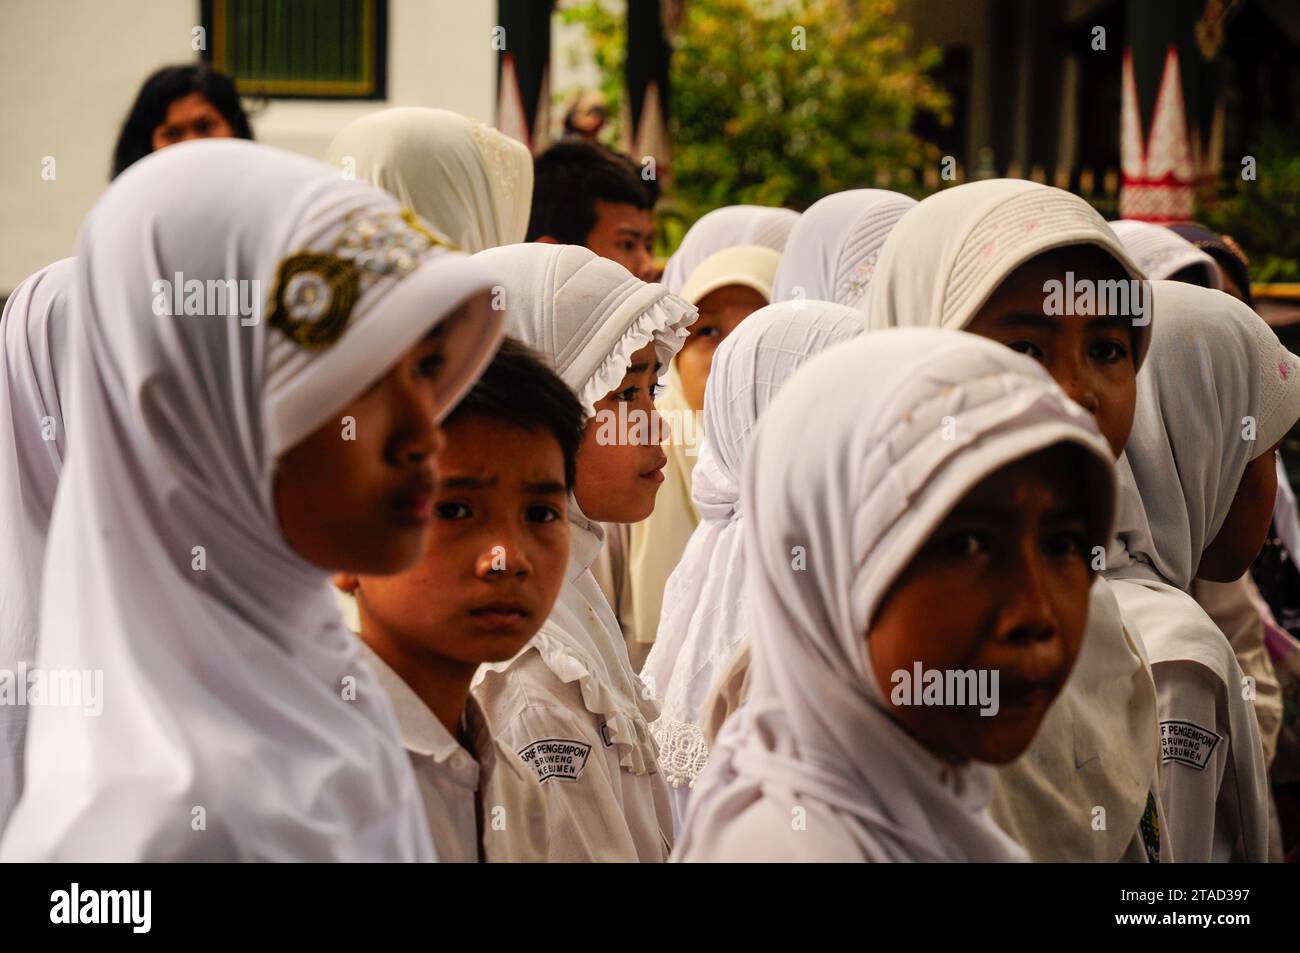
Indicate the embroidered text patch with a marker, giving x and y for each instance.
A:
(556, 758)
(1187, 743)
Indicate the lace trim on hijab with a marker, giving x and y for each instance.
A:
(666, 322)
(683, 750)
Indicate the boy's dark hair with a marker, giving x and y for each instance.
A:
(570, 177)
(159, 91)
(518, 388)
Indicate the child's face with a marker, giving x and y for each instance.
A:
(1245, 527)
(1002, 585)
(356, 494)
(620, 466)
(721, 311)
(1090, 356)
(496, 553)
(625, 234)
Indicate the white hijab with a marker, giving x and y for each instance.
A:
(940, 264)
(946, 257)
(725, 228)
(586, 316)
(472, 183)
(850, 466)
(1218, 364)
(226, 729)
(1161, 253)
(33, 365)
(656, 543)
(833, 250)
(705, 620)
(1214, 365)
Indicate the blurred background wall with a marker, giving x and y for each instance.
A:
(70, 69)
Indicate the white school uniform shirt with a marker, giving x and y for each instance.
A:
(1240, 612)
(814, 765)
(570, 703)
(938, 266)
(226, 731)
(482, 803)
(1213, 779)
(1236, 607)
(1218, 390)
(606, 799)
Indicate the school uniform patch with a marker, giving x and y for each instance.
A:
(1187, 743)
(560, 758)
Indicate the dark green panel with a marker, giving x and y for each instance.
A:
(305, 47)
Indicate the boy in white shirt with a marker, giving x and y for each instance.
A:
(494, 563)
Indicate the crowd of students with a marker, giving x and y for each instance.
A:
(936, 546)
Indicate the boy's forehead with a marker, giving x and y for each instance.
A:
(475, 445)
(622, 215)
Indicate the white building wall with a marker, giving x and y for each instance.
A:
(71, 68)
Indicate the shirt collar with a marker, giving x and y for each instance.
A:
(421, 731)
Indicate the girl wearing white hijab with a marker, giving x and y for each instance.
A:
(972, 257)
(1217, 396)
(833, 250)
(720, 231)
(850, 515)
(33, 364)
(725, 228)
(235, 720)
(570, 703)
(1236, 607)
(472, 183)
(706, 617)
(1162, 253)
(727, 287)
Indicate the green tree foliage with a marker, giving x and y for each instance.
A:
(1263, 214)
(780, 102)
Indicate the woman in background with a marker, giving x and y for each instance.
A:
(178, 103)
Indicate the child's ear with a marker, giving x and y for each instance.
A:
(346, 582)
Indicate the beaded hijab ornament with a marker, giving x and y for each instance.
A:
(316, 291)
